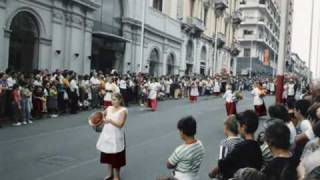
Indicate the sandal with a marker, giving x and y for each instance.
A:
(109, 178)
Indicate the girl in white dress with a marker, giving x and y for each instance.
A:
(194, 92)
(111, 142)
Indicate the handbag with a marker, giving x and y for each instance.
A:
(98, 128)
(65, 95)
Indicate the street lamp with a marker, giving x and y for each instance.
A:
(251, 52)
(142, 34)
(310, 41)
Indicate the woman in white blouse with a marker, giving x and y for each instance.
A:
(111, 142)
(258, 93)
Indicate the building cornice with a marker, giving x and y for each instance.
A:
(91, 4)
(134, 22)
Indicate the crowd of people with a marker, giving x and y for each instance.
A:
(287, 148)
(28, 96)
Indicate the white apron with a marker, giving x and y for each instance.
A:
(111, 139)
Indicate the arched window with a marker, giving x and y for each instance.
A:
(170, 65)
(23, 51)
(157, 4)
(154, 62)
(203, 60)
(203, 54)
(189, 52)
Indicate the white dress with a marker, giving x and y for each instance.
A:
(154, 88)
(216, 87)
(194, 91)
(228, 96)
(257, 100)
(112, 138)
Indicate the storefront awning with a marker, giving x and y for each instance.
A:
(110, 36)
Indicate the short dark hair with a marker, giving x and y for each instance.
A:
(280, 112)
(312, 112)
(231, 124)
(302, 106)
(188, 126)
(278, 135)
(250, 119)
(316, 129)
(248, 174)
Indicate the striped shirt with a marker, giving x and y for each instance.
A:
(227, 145)
(187, 157)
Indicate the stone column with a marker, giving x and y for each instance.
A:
(3, 45)
(129, 63)
(87, 46)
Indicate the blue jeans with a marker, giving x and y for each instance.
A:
(26, 106)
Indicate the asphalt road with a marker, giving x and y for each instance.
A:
(64, 148)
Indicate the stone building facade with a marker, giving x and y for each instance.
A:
(46, 34)
(180, 36)
(259, 35)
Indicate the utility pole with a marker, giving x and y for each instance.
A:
(142, 34)
(317, 71)
(251, 54)
(282, 50)
(215, 57)
(310, 42)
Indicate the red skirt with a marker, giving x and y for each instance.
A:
(37, 106)
(106, 104)
(193, 98)
(231, 108)
(116, 160)
(153, 104)
(260, 110)
(216, 93)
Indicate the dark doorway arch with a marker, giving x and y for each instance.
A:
(24, 42)
(189, 58)
(203, 61)
(154, 63)
(170, 64)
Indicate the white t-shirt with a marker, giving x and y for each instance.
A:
(123, 84)
(94, 81)
(293, 132)
(303, 126)
(290, 89)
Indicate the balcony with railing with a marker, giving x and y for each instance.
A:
(163, 23)
(221, 40)
(237, 17)
(272, 11)
(235, 48)
(99, 27)
(193, 26)
(220, 5)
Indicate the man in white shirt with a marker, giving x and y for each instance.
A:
(94, 83)
(301, 114)
(124, 90)
(11, 80)
(291, 93)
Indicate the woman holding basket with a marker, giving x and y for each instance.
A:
(111, 142)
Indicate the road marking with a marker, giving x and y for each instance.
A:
(131, 148)
(41, 134)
